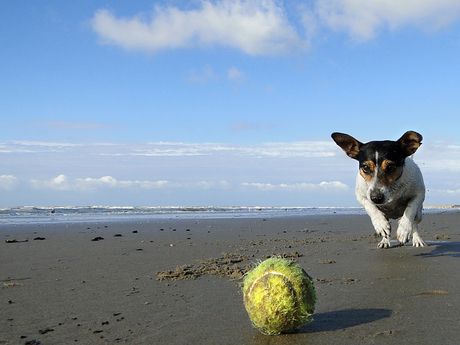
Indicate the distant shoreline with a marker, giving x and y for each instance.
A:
(442, 206)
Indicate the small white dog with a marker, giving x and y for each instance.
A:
(389, 184)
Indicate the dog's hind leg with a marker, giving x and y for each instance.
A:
(404, 230)
(416, 239)
(408, 224)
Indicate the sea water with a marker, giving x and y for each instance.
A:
(64, 214)
(71, 214)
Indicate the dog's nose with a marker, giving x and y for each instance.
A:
(377, 197)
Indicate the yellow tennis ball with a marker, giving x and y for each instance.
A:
(279, 296)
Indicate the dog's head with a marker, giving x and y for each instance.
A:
(380, 162)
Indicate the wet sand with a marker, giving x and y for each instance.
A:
(178, 281)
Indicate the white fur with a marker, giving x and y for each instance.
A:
(404, 199)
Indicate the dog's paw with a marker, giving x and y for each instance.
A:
(402, 236)
(417, 241)
(382, 227)
(384, 243)
(404, 230)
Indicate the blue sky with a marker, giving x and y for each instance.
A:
(221, 103)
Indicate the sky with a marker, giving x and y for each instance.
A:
(221, 103)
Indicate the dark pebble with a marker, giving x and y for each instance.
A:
(46, 330)
(98, 238)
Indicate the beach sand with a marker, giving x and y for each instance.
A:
(177, 281)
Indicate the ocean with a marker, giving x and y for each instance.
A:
(71, 214)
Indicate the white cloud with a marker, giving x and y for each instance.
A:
(245, 126)
(362, 19)
(235, 75)
(303, 187)
(16, 146)
(294, 149)
(42, 143)
(281, 149)
(171, 150)
(155, 184)
(256, 27)
(90, 184)
(447, 192)
(58, 183)
(262, 27)
(439, 157)
(212, 185)
(8, 182)
(333, 186)
(202, 77)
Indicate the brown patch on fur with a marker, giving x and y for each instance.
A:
(388, 178)
(348, 144)
(368, 177)
(386, 163)
(410, 142)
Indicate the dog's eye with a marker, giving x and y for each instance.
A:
(390, 168)
(365, 168)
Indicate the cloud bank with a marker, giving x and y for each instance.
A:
(256, 27)
(262, 27)
(166, 173)
(307, 187)
(89, 184)
(362, 19)
(8, 182)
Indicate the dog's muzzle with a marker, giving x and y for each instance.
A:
(377, 197)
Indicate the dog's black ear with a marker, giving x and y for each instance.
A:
(410, 142)
(349, 144)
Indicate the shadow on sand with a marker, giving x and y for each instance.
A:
(341, 319)
(451, 249)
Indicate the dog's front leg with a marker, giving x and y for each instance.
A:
(379, 221)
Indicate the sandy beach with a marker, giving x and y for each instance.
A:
(178, 281)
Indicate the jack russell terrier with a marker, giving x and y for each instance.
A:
(389, 184)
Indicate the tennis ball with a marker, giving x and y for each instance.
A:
(279, 296)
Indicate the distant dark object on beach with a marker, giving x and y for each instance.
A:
(118, 235)
(134, 231)
(39, 238)
(32, 342)
(98, 238)
(16, 241)
(46, 330)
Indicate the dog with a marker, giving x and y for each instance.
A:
(389, 184)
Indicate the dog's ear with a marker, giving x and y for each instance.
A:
(349, 144)
(410, 142)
